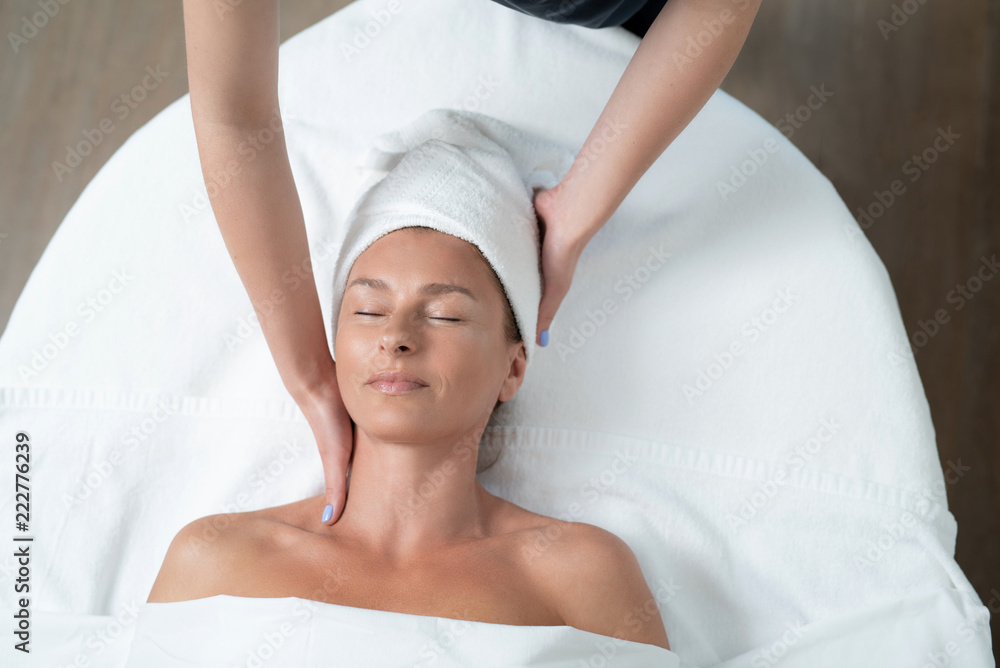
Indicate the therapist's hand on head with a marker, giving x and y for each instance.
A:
(563, 240)
(660, 92)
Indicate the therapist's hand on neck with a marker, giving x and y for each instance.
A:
(331, 425)
(233, 81)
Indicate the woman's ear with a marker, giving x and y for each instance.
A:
(515, 373)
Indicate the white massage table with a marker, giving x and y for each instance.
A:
(727, 385)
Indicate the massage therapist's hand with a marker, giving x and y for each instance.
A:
(660, 92)
(331, 425)
(564, 236)
(233, 79)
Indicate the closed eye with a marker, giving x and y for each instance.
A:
(432, 317)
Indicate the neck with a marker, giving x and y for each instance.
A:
(406, 499)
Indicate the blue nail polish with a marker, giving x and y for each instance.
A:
(327, 513)
(545, 338)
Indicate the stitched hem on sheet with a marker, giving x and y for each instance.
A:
(658, 452)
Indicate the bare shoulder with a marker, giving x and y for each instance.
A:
(595, 580)
(205, 555)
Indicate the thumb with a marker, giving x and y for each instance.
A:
(552, 297)
(336, 458)
(336, 497)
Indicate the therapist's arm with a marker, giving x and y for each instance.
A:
(665, 85)
(232, 59)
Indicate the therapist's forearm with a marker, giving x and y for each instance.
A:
(664, 86)
(261, 221)
(232, 56)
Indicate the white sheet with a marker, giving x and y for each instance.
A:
(133, 361)
(295, 632)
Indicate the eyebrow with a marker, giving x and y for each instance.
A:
(427, 289)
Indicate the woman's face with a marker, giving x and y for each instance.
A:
(424, 303)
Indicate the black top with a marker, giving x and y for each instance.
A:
(586, 13)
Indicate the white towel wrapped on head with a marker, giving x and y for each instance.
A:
(468, 175)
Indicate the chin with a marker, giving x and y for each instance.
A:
(397, 424)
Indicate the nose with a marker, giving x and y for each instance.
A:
(398, 335)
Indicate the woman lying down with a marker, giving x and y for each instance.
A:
(428, 336)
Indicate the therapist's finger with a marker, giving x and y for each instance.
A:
(558, 266)
(334, 433)
(335, 454)
(562, 244)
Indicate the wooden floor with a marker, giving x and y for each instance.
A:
(893, 90)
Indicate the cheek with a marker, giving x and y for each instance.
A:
(351, 354)
(478, 371)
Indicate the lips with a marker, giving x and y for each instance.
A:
(396, 382)
(396, 377)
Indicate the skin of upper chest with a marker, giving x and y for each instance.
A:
(483, 580)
